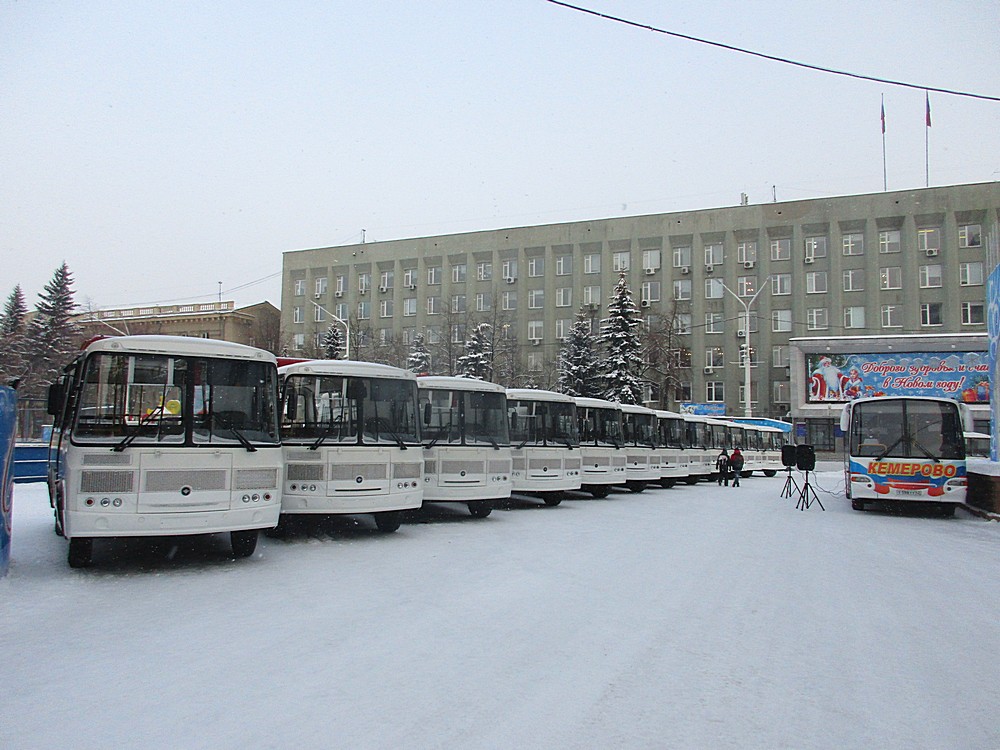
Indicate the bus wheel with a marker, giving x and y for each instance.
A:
(81, 552)
(388, 521)
(690, 480)
(858, 504)
(600, 491)
(244, 542)
(947, 510)
(668, 483)
(552, 499)
(58, 515)
(480, 508)
(635, 486)
(770, 472)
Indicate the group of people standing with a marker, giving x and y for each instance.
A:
(729, 467)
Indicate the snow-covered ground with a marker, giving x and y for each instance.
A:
(697, 617)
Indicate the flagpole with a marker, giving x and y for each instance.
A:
(885, 182)
(927, 138)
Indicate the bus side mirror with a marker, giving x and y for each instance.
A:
(845, 419)
(55, 400)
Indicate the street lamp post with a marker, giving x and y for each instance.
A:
(747, 395)
(347, 329)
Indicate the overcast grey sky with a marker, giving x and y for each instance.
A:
(162, 148)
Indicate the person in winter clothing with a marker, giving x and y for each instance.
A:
(736, 464)
(722, 467)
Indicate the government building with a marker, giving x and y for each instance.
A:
(827, 297)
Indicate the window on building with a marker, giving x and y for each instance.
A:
(341, 285)
(386, 280)
(434, 305)
(364, 310)
(970, 235)
(458, 333)
(930, 314)
(536, 363)
(715, 391)
(564, 265)
(780, 356)
(854, 317)
(592, 295)
(781, 249)
(781, 321)
(973, 313)
(714, 289)
(299, 341)
(817, 319)
(781, 284)
(434, 275)
(409, 307)
(682, 256)
(297, 315)
(508, 300)
(364, 282)
(536, 329)
(746, 286)
(592, 263)
(458, 303)
(715, 356)
(683, 391)
(891, 277)
(970, 274)
(816, 282)
(299, 287)
(385, 308)
(341, 310)
(682, 324)
(746, 252)
(889, 241)
(536, 266)
(715, 322)
(509, 269)
(319, 314)
(892, 316)
(458, 273)
(781, 392)
(929, 238)
(434, 334)
(621, 261)
(930, 276)
(321, 286)
(714, 254)
(410, 278)
(682, 289)
(854, 280)
(562, 327)
(853, 243)
(484, 271)
(564, 296)
(815, 247)
(536, 299)
(651, 260)
(650, 291)
(484, 301)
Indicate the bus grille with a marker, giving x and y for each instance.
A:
(306, 472)
(406, 471)
(170, 481)
(107, 459)
(430, 467)
(618, 460)
(107, 481)
(571, 463)
(252, 479)
(499, 467)
(540, 463)
(347, 472)
(457, 467)
(518, 464)
(304, 455)
(598, 461)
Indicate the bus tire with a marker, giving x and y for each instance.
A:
(770, 472)
(947, 510)
(243, 542)
(668, 483)
(691, 480)
(480, 508)
(600, 491)
(388, 521)
(81, 552)
(857, 504)
(635, 486)
(552, 499)
(59, 527)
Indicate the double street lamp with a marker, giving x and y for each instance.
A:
(747, 394)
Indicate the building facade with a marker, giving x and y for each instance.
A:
(724, 281)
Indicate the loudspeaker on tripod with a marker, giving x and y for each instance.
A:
(788, 455)
(805, 457)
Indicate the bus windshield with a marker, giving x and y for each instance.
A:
(464, 417)
(896, 428)
(143, 399)
(600, 427)
(543, 423)
(353, 410)
(638, 429)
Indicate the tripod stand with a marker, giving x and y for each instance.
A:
(791, 486)
(808, 496)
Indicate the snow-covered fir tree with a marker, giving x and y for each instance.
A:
(419, 359)
(54, 337)
(579, 373)
(623, 364)
(13, 342)
(333, 342)
(476, 361)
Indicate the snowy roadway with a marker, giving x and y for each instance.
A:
(696, 617)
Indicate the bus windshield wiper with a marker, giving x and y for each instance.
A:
(130, 438)
(236, 433)
(885, 453)
(926, 452)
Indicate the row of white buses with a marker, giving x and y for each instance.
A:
(161, 435)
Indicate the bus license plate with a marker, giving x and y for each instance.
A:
(910, 493)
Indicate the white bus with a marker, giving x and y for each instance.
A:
(351, 440)
(467, 456)
(643, 460)
(670, 431)
(701, 449)
(905, 448)
(165, 435)
(545, 443)
(601, 444)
